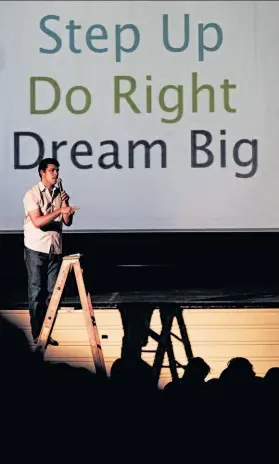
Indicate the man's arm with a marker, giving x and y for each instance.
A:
(68, 219)
(39, 220)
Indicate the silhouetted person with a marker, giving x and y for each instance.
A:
(136, 322)
(271, 377)
(195, 372)
(189, 386)
(238, 372)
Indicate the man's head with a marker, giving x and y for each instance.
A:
(49, 171)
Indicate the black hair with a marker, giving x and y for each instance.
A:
(44, 164)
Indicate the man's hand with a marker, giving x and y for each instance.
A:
(67, 214)
(68, 210)
(65, 198)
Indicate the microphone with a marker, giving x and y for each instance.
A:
(60, 186)
(59, 183)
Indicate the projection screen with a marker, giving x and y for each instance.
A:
(163, 115)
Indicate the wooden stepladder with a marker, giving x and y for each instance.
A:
(68, 263)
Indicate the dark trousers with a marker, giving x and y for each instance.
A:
(42, 269)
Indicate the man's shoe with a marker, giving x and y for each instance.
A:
(52, 342)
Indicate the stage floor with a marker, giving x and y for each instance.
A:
(190, 298)
(193, 297)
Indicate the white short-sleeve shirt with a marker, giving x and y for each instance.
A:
(47, 239)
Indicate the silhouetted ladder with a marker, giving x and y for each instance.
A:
(69, 263)
(167, 314)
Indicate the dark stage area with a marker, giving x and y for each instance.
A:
(219, 269)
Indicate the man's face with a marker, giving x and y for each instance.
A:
(50, 175)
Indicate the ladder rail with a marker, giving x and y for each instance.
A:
(97, 338)
(87, 318)
(53, 307)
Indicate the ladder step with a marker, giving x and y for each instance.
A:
(148, 351)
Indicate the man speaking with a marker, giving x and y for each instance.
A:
(46, 210)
